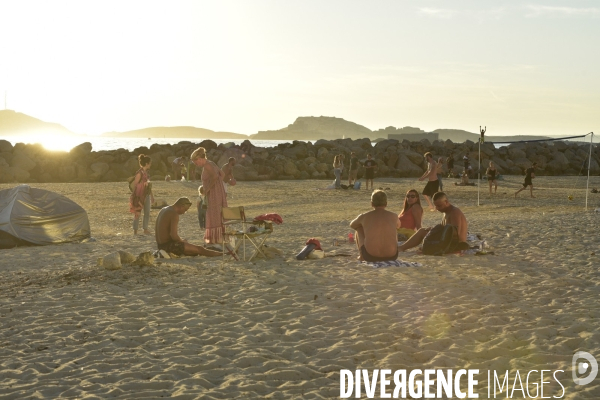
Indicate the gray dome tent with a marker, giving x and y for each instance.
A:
(32, 216)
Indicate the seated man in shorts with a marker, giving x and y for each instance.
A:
(166, 234)
(451, 216)
(376, 236)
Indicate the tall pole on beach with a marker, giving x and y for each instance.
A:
(587, 188)
(481, 140)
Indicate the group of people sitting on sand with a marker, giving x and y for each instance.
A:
(377, 230)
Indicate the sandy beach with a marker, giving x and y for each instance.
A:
(280, 328)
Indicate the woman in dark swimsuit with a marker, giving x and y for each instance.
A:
(492, 174)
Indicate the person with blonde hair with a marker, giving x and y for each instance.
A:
(214, 190)
(376, 236)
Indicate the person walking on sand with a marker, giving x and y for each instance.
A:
(529, 175)
(432, 180)
(167, 237)
(338, 166)
(370, 166)
(376, 237)
(452, 215)
(227, 169)
(141, 198)
(212, 182)
(492, 176)
(412, 214)
(353, 171)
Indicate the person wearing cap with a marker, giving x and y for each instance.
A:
(167, 237)
(529, 175)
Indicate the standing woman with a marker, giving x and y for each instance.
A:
(338, 164)
(141, 197)
(492, 176)
(411, 215)
(440, 171)
(214, 192)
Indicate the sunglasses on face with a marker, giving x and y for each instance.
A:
(411, 196)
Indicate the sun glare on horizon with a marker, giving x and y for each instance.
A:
(52, 142)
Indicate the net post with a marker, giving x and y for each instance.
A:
(479, 173)
(587, 188)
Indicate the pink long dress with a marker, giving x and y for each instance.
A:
(212, 180)
(138, 197)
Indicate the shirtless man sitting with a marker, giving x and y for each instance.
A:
(376, 236)
(166, 234)
(451, 216)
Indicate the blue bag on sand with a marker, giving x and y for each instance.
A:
(305, 251)
(356, 185)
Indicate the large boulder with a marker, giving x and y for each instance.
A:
(558, 164)
(81, 150)
(13, 174)
(240, 156)
(407, 168)
(6, 146)
(289, 168)
(98, 170)
(22, 161)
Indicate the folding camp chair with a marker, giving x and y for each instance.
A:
(256, 233)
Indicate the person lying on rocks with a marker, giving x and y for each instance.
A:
(376, 236)
(166, 234)
(451, 215)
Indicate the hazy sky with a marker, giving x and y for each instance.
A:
(250, 65)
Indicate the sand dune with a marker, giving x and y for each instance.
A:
(282, 328)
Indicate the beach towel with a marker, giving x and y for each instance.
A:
(270, 217)
(394, 263)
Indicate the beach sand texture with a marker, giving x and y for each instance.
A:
(281, 328)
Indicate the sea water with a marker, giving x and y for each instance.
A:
(112, 143)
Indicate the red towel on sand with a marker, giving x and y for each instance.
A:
(270, 217)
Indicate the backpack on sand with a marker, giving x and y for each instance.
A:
(440, 240)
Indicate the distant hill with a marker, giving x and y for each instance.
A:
(314, 128)
(13, 123)
(176, 132)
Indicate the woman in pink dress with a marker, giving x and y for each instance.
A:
(140, 198)
(212, 182)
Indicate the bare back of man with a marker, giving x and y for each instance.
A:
(168, 239)
(379, 235)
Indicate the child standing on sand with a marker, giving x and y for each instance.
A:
(200, 205)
